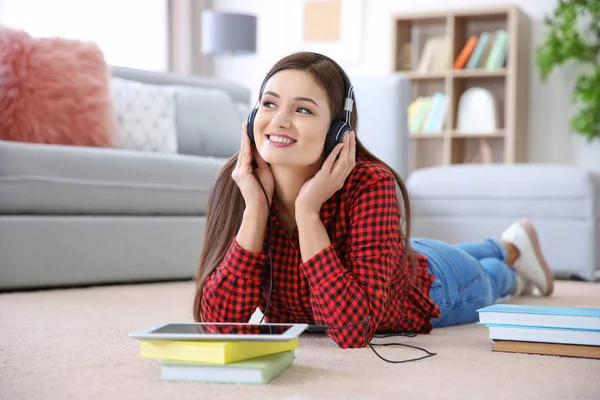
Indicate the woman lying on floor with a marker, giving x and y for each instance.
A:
(337, 251)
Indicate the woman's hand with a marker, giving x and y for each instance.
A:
(243, 175)
(329, 179)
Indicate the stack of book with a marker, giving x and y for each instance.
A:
(427, 114)
(239, 362)
(487, 50)
(561, 331)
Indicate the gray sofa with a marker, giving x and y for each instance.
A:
(471, 202)
(86, 216)
(73, 215)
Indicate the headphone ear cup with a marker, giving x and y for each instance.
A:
(337, 131)
(250, 124)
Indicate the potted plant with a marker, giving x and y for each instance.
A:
(574, 36)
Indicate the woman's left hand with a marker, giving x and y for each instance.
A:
(330, 178)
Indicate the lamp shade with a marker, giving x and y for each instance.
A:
(228, 33)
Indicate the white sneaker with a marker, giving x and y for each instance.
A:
(523, 288)
(530, 265)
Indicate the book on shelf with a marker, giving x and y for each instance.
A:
(212, 352)
(487, 50)
(497, 57)
(553, 349)
(435, 56)
(465, 53)
(427, 114)
(476, 57)
(259, 370)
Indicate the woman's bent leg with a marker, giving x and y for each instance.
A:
(488, 248)
(502, 278)
(462, 283)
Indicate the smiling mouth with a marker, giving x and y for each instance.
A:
(279, 139)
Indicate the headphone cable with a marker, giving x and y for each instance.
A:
(268, 246)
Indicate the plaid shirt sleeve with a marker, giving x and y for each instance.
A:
(233, 291)
(350, 296)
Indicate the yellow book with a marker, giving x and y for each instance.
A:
(211, 352)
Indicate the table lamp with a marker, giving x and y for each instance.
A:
(227, 33)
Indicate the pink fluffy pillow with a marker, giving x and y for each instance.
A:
(54, 91)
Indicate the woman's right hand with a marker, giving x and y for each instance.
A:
(245, 179)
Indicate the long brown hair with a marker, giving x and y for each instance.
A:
(226, 204)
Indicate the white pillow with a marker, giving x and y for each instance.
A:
(146, 115)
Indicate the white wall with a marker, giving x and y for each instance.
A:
(131, 33)
(280, 33)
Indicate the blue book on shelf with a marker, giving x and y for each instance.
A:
(475, 58)
(541, 316)
(433, 123)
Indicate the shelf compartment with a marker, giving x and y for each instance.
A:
(483, 150)
(427, 153)
(467, 25)
(411, 36)
(496, 86)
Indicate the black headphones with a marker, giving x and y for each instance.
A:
(338, 127)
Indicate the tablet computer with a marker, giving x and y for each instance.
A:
(220, 331)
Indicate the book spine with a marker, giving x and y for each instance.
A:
(479, 49)
(498, 52)
(466, 52)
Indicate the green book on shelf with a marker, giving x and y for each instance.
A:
(259, 370)
(497, 56)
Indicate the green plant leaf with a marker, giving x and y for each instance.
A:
(573, 37)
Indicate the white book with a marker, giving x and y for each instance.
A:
(544, 335)
(427, 56)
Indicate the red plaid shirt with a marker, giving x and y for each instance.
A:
(360, 277)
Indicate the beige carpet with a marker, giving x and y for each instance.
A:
(73, 344)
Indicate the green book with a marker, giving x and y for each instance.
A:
(259, 370)
(497, 56)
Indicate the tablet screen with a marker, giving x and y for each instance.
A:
(208, 328)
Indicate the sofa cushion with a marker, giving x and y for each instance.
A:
(146, 116)
(57, 179)
(54, 90)
(209, 123)
(516, 190)
(210, 111)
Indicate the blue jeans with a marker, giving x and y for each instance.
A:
(468, 276)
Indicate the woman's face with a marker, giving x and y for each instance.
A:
(292, 120)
